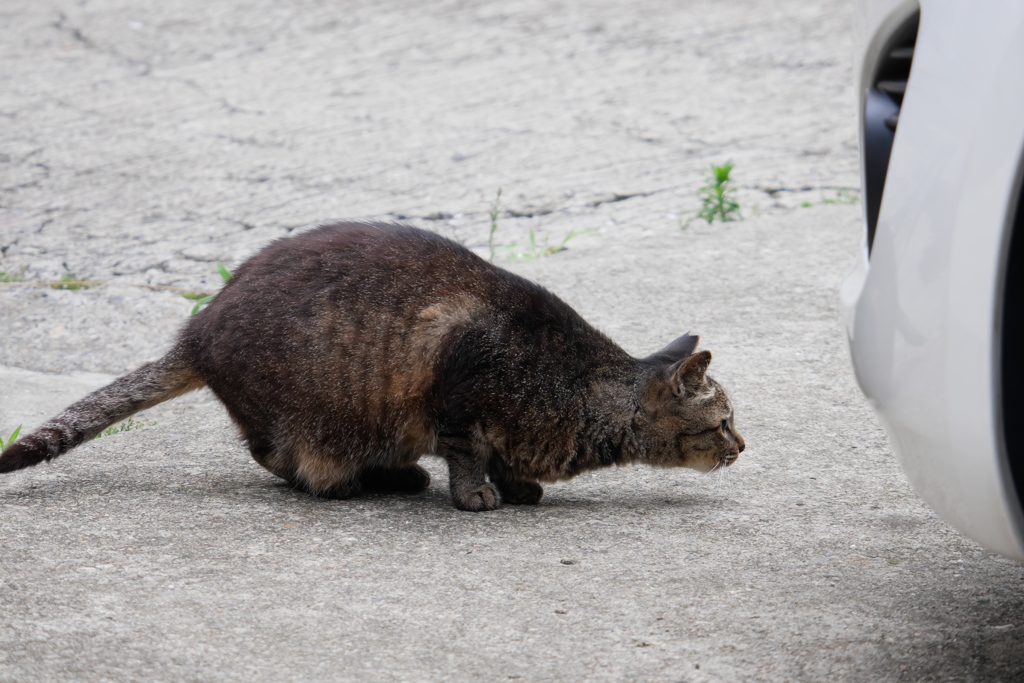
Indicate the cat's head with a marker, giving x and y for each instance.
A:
(689, 415)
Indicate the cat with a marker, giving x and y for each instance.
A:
(345, 353)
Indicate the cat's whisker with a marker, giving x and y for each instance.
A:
(713, 468)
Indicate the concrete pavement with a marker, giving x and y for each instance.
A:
(140, 146)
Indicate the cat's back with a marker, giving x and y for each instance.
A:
(383, 288)
(381, 283)
(390, 269)
(361, 259)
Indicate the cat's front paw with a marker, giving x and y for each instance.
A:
(479, 499)
(521, 492)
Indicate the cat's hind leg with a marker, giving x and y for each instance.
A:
(408, 479)
(337, 491)
(467, 475)
(513, 491)
(317, 472)
(269, 457)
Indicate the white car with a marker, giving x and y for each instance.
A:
(934, 310)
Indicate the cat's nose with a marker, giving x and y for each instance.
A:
(740, 444)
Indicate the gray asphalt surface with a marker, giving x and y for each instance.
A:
(141, 145)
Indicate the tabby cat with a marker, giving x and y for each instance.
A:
(345, 353)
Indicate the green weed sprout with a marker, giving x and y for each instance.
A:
(493, 213)
(203, 299)
(10, 277)
(843, 195)
(717, 202)
(10, 439)
(126, 426)
(534, 250)
(71, 281)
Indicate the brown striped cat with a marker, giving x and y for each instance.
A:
(346, 353)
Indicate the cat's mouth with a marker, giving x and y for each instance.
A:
(722, 462)
(713, 463)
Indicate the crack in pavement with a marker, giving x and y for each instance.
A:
(773, 191)
(616, 197)
(79, 36)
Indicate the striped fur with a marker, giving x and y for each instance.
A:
(345, 353)
(151, 384)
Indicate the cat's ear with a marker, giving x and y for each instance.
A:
(689, 374)
(677, 350)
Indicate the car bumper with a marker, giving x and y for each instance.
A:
(922, 310)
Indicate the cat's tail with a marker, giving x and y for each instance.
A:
(153, 383)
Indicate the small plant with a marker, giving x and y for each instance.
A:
(717, 202)
(71, 281)
(536, 251)
(10, 439)
(843, 196)
(126, 426)
(493, 213)
(10, 277)
(202, 298)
